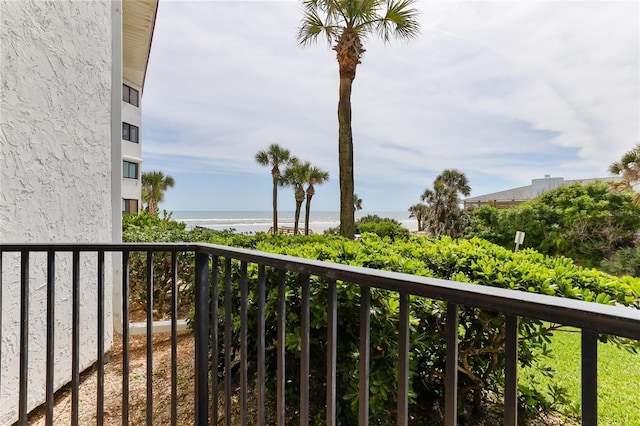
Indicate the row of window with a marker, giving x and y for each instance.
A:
(130, 132)
(130, 95)
(129, 170)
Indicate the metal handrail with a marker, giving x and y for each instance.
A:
(592, 318)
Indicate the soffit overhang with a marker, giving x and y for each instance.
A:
(138, 21)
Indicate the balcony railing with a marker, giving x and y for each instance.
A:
(592, 319)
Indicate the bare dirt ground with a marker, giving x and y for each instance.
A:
(137, 386)
(162, 391)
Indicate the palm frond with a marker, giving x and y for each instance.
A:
(400, 20)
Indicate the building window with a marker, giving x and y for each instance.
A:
(130, 95)
(129, 206)
(130, 132)
(129, 170)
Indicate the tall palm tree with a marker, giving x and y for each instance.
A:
(275, 156)
(295, 176)
(628, 168)
(154, 184)
(314, 177)
(345, 23)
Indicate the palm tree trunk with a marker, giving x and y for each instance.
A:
(306, 213)
(275, 205)
(345, 155)
(297, 218)
(299, 199)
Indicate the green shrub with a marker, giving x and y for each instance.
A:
(584, 222)
(481, 343)
(625, 261)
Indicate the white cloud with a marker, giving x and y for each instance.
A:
(505, 91)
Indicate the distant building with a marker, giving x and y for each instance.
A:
(71, 80)
(513, 197)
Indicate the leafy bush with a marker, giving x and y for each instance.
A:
(625, 261)
(584, 222)
(383, 227)
(481, 343)
(481, 336)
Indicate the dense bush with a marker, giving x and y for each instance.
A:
(625, 261)
(584, 222)
(481, 333)
(381, 226)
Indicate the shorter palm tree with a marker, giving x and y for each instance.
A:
(314, 177)
(628, 168)
(295, 176)
(444, 216)
(275, 156)
(419, 212)
(154, 184)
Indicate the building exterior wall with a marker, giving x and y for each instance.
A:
(55, 174)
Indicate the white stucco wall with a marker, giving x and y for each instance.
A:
(55, 172)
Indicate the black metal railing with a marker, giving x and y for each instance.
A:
(592, 319)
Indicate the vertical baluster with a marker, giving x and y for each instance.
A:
(281, 349)
(451, 373)
(24, 337)
(75, 338)
(125, 338)
(215, 340)
(149, 338)
(100, 348)
(202, 339)
(1, 284)
(243, 343)
(261, 346)
(365, 343)
(403, 361)
(589, 378)
(51, 315)
(511, 372)
(332, 344)
(304, 351)
(227, 340)
(174, 338)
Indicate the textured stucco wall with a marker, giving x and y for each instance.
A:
(55, 171)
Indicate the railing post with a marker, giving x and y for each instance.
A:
(201, 339)
(24, 337)
(51, 317)
(280, 341)
(403, 362)
(332, 345)
(589, 378)
(365, 340)
(304, 351)
(149, 337)
(511, 372)
(260, 386)
(451, 373)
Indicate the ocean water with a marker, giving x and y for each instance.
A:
(261, 221)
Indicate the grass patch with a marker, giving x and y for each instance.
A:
(618, 378)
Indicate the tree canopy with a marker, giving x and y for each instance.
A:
(154, 185)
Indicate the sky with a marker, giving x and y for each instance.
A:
(504, 91)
